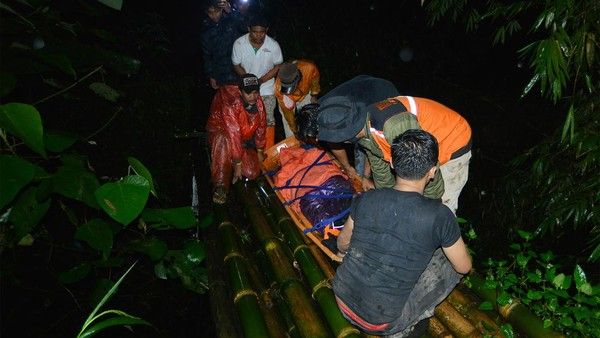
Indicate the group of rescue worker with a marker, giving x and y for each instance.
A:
(401, 245)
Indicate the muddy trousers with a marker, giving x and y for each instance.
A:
(433, 286)
(221, 166)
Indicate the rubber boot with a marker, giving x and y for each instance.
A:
(270, 137)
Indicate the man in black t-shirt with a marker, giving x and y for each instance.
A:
(394, 273)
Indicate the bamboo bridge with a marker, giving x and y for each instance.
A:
(268, 280)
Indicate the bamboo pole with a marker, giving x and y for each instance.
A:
(455, 322)
(244, 297)
(222, 312)
(516, 313)
(469, 308)
(303, 310)
(311, 269)
(437, 329)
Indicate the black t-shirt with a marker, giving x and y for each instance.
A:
(394, 237)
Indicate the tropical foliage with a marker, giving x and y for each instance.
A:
(49, 190)
(567, 302)
(554, 188)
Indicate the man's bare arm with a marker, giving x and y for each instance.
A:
(343, 240)
(239, 70)
(269, 75)
(459, 256)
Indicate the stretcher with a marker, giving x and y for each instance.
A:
(325, 239)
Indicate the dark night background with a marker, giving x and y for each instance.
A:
(345, 38)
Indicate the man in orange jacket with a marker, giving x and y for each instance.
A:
(297, 84)
(374, 127)
(236, 134)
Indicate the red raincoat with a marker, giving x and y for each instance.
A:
(229, 126)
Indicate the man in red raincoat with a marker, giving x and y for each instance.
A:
(236, 134)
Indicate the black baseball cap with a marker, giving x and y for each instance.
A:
(249, 83)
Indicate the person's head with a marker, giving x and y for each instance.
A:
(257, 27)
(213, 10)
(414, 155)
(290, 76)
(340, 120)
(249, 88)
(306, 121)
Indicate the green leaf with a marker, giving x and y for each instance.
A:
(585, 288)
(16, 173)
(100, 289)
(534, 277)
(525, 235)
(7, 83)
(504, 299)
(24, 121)
(569, 126)
(104, 299)
(26, 240)
(579, 276)
(27, 212)
(206, 221)
(97, 234)
(58, 141)
(486, 306)
(534, 295)
(125, 199)
(194, 251)
(522, 260)
(547, 323)
(153, 247)
(141, 170)
(76, 182)
(193, 276)
(114, 4)
(105, 91)
(180, 218)
(75, 274)
(160, 270)
(122, 320)
(507, 331)
(58, 60)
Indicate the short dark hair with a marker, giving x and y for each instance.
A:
(258, 19)
(414, 153)
(307, 124)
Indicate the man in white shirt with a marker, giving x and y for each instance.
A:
(259, 54)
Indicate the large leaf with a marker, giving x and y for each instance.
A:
(27, 212)
(97, 234)
(124, 200)
(75, 274)
(123, 319)
(58, 141)
(114, 4)
(193, 276)
(104, 299)
(15, 174)
(76, 182)
(57, 60)
(141, 170)
(153, 247)
(7, 84)
(180, 218)
(194, 251)
(24, 121)
(105, 91)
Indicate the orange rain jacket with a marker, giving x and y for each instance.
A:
(229, 126)
(309, 84)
